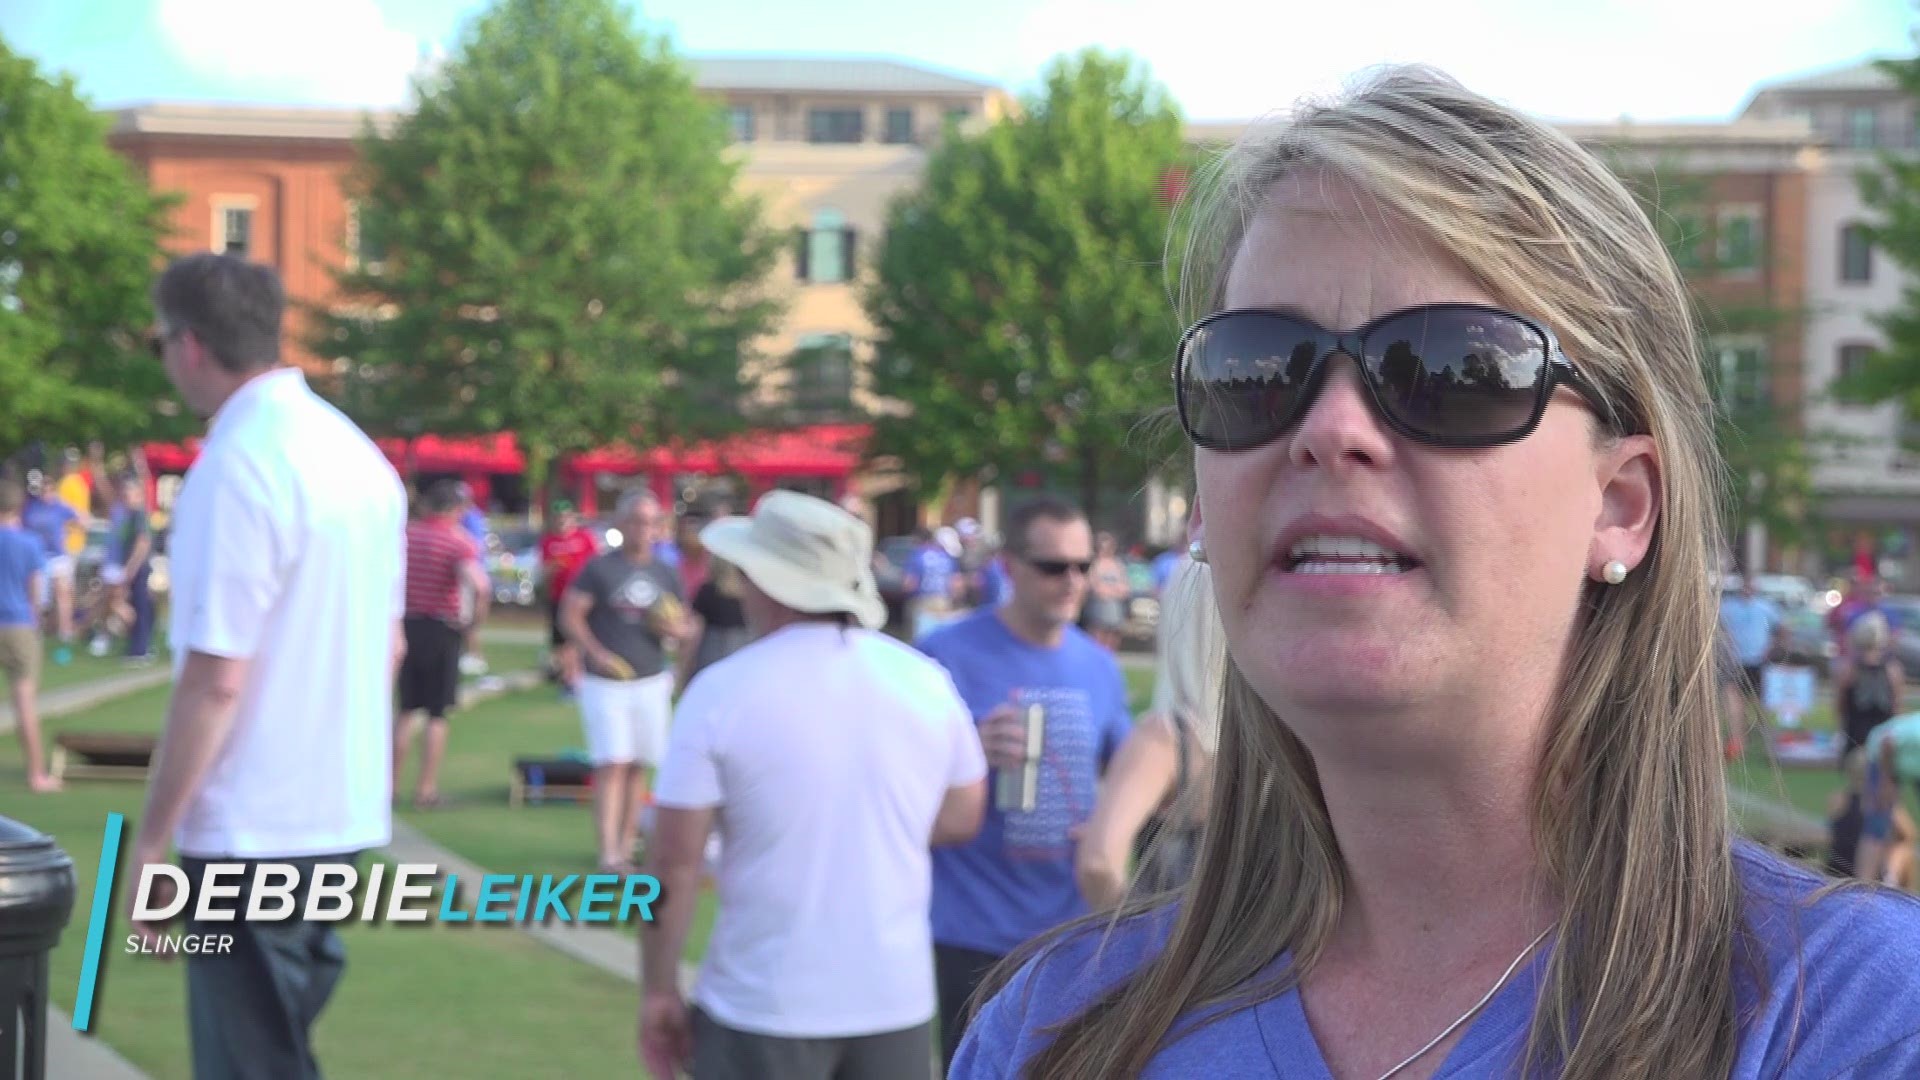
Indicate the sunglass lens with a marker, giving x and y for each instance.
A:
(1459, 374)
(1242, 378)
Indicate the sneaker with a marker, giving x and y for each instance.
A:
(100, 646)
(63, 656)
(473, 665)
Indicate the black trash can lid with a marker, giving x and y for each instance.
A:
(36, 889)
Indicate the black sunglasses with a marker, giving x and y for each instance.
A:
(1059, 567)
(1450, 375)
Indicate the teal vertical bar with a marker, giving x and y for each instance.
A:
(97, 922)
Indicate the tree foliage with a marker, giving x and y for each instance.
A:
(1019, 301)
(79, 243)
(561, 247)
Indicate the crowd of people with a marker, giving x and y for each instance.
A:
(1433, 784)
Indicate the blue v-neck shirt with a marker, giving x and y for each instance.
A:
(1851, 959)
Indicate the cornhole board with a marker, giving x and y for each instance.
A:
(548, 780)
(97, 756)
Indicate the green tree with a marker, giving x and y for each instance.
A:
(562, 250)
(1892, 189)
(79, 242)
(1020, 307)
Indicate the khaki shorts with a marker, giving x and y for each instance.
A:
(20, 652)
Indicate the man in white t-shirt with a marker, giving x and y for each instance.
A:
(831, 757)
(287, 565)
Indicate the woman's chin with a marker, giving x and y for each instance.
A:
(1339, 672)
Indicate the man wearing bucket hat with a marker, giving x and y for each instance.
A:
(832, 757)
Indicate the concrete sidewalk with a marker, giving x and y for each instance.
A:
(72, 699)
(73, 1056)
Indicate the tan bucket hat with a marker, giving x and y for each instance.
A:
(804, 552)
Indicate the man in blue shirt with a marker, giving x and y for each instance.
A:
(21, 561)
(929, 581)
(1016, 879)
(1748, 621)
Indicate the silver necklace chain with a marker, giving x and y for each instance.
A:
(1469, 1014)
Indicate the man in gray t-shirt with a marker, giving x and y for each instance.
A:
(625, 595)
(622, 611)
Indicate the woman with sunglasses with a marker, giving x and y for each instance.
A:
(1457, 488)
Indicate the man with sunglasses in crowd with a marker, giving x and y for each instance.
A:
(1016, 878)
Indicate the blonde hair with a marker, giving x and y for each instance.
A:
(1192, 651)
(1869, 631)
(1630, 805)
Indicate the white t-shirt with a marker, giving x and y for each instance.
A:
(289, 548)
(827, 753)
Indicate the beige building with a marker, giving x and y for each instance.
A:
(828, 145)
(1868, 482)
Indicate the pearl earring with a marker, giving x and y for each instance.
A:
(1196, 552)
(1615, 572)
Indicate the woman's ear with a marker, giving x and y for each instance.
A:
(1629, 476)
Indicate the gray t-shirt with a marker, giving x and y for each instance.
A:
(623, 593)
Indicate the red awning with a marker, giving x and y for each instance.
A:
(822, 450)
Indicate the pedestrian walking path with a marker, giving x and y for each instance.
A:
(73, 699)
(73, 1056)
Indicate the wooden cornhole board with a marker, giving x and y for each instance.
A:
(550, 780)
(82, 756)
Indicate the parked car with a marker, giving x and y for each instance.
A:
(1906, 634)
(1808, 642)
(513, 565)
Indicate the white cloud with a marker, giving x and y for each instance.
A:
(337, 52)
(1647, 58)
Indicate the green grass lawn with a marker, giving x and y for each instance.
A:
(476, 822)
(85, 669)
(408, 1005)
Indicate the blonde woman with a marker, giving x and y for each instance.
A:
(1457, 489)
(1868, 683)
(1153, 799)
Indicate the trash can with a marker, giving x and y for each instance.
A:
(36, 898)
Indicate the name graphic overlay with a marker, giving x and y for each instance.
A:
(411, 893)
(401, 893)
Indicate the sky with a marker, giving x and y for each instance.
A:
(1221, 59)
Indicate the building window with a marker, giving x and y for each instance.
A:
(835, 125)
(826, 249)
(1863, 125)
(1856, 254)
(740, 122)
(820, 374)
(1739, 241)
(366, 239)
(233, 227)
(1853, 360)
(1684, 232)
(1742, 374)
(899, 125)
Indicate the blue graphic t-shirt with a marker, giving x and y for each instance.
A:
(1841, 999)
(21, 556)
(1016, 878)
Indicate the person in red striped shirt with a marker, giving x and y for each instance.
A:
(441, 558)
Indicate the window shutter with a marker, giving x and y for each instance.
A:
(848, 236)
(800, 254)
